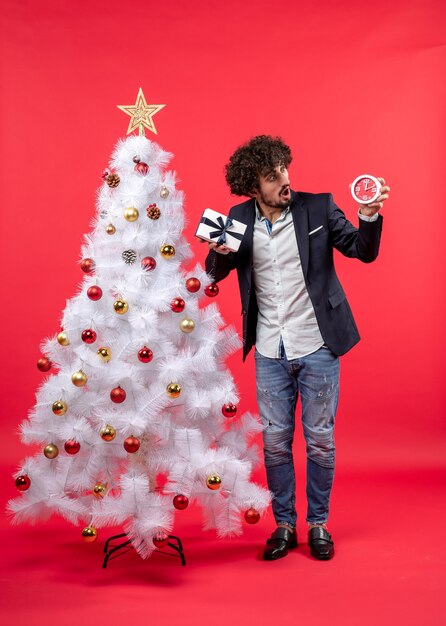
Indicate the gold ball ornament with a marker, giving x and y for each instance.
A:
(164, 193)
(167, 251)
(51, 451)
(105, 354)
(110, 229)
(108, 433)
(62, 338)
(187, 325)
(121, 307)
(59, 407)
(89, 534)
(99, 490)
(131, 214)
(173, 390)
(213, 482)
(79, 379)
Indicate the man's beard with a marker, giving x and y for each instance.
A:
(282, 204)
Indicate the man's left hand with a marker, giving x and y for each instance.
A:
(374, 207)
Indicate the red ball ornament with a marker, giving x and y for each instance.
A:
(160, 540)
(44, 364)
(94, 292)
(229, 409)
(178, 305)
(193, 285)
(88, 335)
(148, 263)
(72, 446)
(117, 395)
(141, 168)
(131, 444)
(211, 290)
(252, 516)
(180, 502)
(22, 482)
(87, 266)
(145, 355)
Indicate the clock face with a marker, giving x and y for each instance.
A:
(366, 189)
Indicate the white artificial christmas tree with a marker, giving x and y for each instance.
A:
(140, 388)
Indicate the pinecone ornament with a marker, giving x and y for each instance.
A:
(153, 212)
(112, 180)
(129, 256)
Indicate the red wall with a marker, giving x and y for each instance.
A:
(353, 86)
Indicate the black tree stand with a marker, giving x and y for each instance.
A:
(112, 550)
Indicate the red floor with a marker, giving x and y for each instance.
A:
(388, 568)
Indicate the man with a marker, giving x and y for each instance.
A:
(296, 314)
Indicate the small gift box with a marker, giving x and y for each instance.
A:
(216, 227)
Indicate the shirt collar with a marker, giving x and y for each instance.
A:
(261, 218)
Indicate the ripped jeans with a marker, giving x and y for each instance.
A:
(279, 381)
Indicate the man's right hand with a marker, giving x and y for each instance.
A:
(221, 249)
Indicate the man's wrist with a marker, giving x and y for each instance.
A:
(368, 218)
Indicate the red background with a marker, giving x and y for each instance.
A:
(353, 87)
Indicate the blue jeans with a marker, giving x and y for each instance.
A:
(279, 381)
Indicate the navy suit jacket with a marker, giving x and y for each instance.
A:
(309, 211)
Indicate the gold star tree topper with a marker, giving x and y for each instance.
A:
(141, 114)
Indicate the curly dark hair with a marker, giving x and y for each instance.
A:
(257, 157)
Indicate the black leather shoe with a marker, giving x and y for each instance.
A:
(321, 543)
(277, 546)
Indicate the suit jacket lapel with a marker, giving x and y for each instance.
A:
(300, 219)
(248, 219)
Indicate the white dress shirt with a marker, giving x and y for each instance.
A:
(285, 308)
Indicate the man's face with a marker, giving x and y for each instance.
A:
(274, 188)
